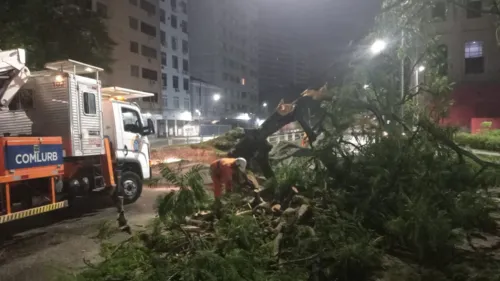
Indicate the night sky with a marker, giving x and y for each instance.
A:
(326, 28)
(338, 22)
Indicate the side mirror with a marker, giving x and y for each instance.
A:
(149, 129)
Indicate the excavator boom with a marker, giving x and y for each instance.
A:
(13, 75)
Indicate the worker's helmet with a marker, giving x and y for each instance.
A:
(241, 163)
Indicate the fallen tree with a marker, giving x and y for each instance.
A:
(405, 204)
(383, 194)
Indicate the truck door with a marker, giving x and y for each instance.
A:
(132, 142)
(89, 114)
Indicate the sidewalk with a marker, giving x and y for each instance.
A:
(159, 142)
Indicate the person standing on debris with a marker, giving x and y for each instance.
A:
(305, 140)
(224, 170)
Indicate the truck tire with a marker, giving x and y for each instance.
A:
(132, 187)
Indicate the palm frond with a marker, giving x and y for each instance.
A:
(171, 176)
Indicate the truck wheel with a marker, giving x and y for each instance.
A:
(132, 187)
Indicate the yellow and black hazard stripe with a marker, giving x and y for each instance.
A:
(33, 211)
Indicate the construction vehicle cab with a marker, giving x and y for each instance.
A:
(62, 136)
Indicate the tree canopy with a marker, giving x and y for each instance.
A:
(55, 30)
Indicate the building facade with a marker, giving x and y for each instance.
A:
(223, 37)
(133, 25)
(469, 42)
(206, 100)
(152, 55)
(283, 71)
(175, 66)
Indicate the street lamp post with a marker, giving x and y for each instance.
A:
(264, 108)
(378, 47)
(199, 121)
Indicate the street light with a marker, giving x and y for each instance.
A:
(199, 121)
(264, 104)
(243, 116)
(378, 46)
(421, 68)
(216, 97)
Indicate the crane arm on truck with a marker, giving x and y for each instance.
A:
(13, 75)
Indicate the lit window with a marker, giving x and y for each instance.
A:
(474, 58)
(243, 81)
(473, 49)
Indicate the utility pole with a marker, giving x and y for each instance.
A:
(402, 74)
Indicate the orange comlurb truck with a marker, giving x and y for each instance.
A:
(63, 136)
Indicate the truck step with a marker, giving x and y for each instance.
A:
(99, 183)
(99, 189)
(33, 212)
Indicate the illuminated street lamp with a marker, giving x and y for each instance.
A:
(264, 104)
(378, 46)
(421, 68)
(216, 97)
(243, 116)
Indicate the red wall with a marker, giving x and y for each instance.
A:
(475, 124)
(474, 101)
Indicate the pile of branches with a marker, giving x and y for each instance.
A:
(383, 192)
(405, 208)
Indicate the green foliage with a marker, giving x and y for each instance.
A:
(190, 197)
(384, 188)
(224, 142)
(489, 140)
(228, 140)
(486, 125)
(55, 30)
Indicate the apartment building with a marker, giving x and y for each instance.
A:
(282, 57)
(175, 65)
(469, 42)
(206, 100)
(133, 25)
(223, 38)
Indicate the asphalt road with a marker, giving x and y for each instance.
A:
(50, 245)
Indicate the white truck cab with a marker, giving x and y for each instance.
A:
(124, 125)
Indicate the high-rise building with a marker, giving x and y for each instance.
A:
(152, 55)
(473, 59)
(175, 65)
(133, 25)
(282, 56)
(206, 99)
(223, 36)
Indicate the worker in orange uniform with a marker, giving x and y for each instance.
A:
(224, 170)
(305, 140)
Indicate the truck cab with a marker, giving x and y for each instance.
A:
(127, 130)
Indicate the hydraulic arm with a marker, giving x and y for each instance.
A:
(13, 75)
